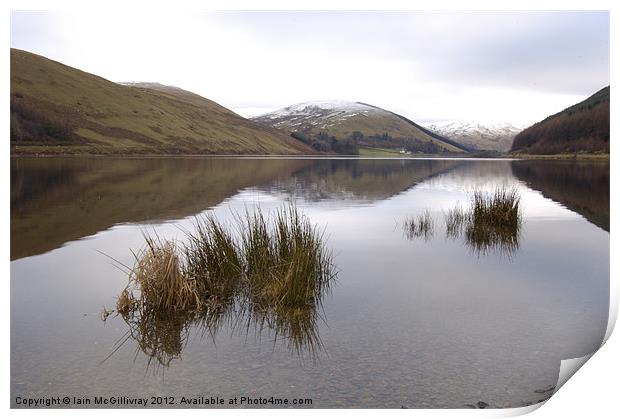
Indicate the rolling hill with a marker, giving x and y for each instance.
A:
(342, 126)
(582, 128)
(59, 109)
(493, 137)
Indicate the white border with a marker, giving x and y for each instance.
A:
(592, 393)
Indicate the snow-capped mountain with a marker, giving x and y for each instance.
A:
(365, 124)
(496, 136)
(317, 114)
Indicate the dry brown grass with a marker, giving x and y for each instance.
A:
(273, 273)
(159, 281)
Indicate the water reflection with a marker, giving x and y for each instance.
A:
(581, 186)
(162, 335)
(448, 328)
(421, 226)
(78, 197)
(355, 181)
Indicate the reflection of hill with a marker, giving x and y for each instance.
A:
(475, 174)
(57, 200)
(581, 187)
(360, 179)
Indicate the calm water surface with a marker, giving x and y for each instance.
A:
(421, 322)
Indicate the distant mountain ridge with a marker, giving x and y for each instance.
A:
(59, 109)
(322, 123)
(430, 132)
(478, 136)
(583, 127)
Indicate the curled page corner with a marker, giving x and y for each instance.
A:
(568, 367)
(517, 411)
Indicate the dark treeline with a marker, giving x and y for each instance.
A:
(350, 145)
(583, 127)
(326, 143)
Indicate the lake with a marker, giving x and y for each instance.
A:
(433, 321)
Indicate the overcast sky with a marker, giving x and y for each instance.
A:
(514, 67)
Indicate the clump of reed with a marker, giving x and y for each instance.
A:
(491, 222)
(159, 301)
(212, 259)
(288, 270)
(495, 221)
(499, 209)
(456, 218)
(420, 226)
(159, 282)
(287, 264)
(273, 270)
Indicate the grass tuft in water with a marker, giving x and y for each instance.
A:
(288, 271)
(499, 209)
(274, 271)
(495, 221)
(420, 226)
(456, 218)
(212, 259)
(159, 281)
(491, 222)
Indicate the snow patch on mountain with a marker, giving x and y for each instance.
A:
(323, 105)
(322, 113)
(492, 136)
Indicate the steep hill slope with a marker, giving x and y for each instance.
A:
(583, 127)
(494, 137)
(56, 108)
(342, 126)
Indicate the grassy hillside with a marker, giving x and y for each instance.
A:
(583, 127)
(350, 125)
(59, 109)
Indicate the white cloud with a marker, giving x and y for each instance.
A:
(516, 67)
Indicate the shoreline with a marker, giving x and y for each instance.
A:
(573, 156)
